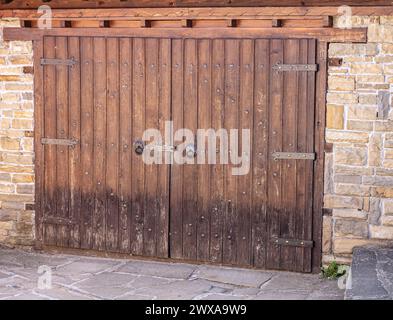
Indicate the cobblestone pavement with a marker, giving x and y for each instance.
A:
(75, 277)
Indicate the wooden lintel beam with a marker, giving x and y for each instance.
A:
(195, 13)
(79, 4)
(323, 34)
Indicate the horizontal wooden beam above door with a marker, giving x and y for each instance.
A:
(323, 34)
(18, 4)
(193, 13)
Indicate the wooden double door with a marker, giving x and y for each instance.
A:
(94, 191)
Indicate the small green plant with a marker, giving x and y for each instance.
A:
(334, 271)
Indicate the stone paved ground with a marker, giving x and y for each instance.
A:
(75, 277)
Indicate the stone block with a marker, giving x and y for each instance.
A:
(350, 156)
(350, 228)
(335, 116)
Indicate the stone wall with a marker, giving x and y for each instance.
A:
(359, 171)
(16, 142)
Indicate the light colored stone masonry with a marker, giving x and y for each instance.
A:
(359, 171)
(16, 143)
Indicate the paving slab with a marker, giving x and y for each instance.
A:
(158, 269)
(234, 276)
(80, 278)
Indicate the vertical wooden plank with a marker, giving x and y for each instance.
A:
(232, 61)
(87, 140)
(312, 141)
(100, 114)
(274, 209)
(176, 201)
(39, 132)
(112, 146)
(303, 131)
(138, 126)
(50, 208)
(164, 115)
(260, 151)
(321, 81)
(190, 171)
(204, 122)
(151, 172)
(289, 144)
(75, 133)
(62, 187)
(125, 143)
(246, 123)
(217, 171)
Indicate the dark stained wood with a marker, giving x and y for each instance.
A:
(204, 122)
(50, 207)
(138, 125)
(87, 147)
(274, 207)
(75, 133)
(112, 146)
(319, 132)
(62, 114)
(232, 77)
(164, 116)
(102, 196)
(246, 103)
(324, 34)
(125, 175)
(217, 200)
(151, 171)
(176, 197)
(190, 170)
(39, 116)
(289, 167)
(260, 152)
(100, 120)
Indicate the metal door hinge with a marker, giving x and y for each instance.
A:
(56, 62)
(295, 67)
(60, 142)
(293, 242)
(59, 221)
(293, 156)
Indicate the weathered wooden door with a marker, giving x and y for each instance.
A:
(262, 218)
(95, 192)
(99, 97)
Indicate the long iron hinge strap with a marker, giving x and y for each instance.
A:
(293, 242)
(295, 67)
(59, 142)
(293, 156)
(56, 62)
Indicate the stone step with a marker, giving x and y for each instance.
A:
(371, 274)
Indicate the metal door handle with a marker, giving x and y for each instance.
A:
(139, 147)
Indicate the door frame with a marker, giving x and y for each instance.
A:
(323, 36)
